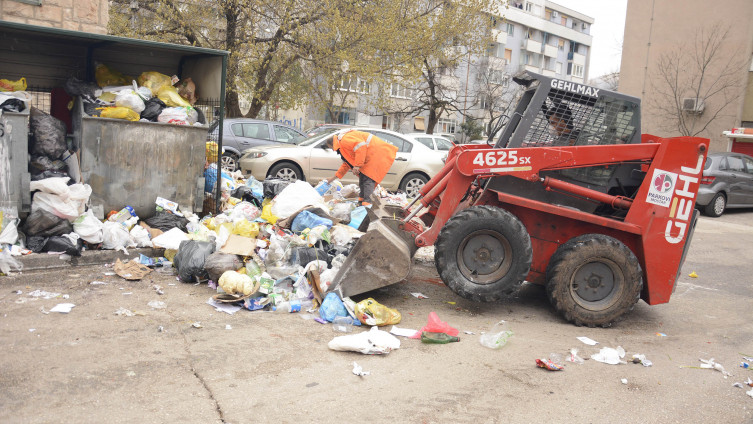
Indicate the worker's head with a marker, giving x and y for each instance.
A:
(560, 118)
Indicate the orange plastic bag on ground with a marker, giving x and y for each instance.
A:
(8, 85)
(371, 312)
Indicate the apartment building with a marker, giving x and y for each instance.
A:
(537, 35)
(657, 29)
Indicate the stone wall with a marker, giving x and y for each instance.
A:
(77, 15)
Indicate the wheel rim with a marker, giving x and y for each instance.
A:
(719, 205)
(229, 163)
(413, 187)
(287, 174)
(484, 256)
(596, 285)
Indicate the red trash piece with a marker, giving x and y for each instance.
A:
(436, 325)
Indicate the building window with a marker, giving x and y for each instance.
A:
(353, 84)
(508, 56)
(510, 29)
(398, 90)
(561, 44)
(529, 7)
(578, 71)
(558, 68)
(446, 126)
(563, 20)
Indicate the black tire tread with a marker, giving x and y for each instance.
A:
(708, 210)
(559, 296)
(447, 264)
(276, 167)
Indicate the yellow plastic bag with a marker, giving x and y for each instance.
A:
(371, 312)
(119, 112)
(169, 95)
(266, 214)
(245, 228)
(154, 81)
(209, 222)
(8, 85)
(211, 151)
(106, 76)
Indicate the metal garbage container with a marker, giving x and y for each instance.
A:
(133, 163)
(14, 157)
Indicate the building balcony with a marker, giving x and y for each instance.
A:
(550, 51)
(531, 68)
(499, 36)
(548, 73)
(577, 58)
(532, 46)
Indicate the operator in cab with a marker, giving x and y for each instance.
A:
(366, 156)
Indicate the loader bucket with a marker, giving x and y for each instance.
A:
(381, 257)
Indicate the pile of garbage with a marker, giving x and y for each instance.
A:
(152, 97)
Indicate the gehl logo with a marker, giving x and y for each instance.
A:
(683, 201)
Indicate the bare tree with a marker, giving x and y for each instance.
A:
(704, 72)
(609, 81)
(497, 96)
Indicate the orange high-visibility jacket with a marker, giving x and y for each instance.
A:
(371, 154)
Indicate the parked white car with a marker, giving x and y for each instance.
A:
(310, 160)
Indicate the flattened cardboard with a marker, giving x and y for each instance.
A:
(239, 245)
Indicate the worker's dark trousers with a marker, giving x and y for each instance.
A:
(367, 186)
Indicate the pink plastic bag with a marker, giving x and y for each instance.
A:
(436, 325)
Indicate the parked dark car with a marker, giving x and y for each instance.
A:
(240, 134)
(727, 183)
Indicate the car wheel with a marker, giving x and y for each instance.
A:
(483, 253)
(716, 206)
(286, 171)
(593, 280)
(412, 184)
(229, 162)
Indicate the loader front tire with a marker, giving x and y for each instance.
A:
(593, 280)
(483, 253)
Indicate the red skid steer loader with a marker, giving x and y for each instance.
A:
(571, 196)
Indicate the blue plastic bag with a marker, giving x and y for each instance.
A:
(257, 188)
(307, 219)
(210, 177)
(332, 307)
(357, 216)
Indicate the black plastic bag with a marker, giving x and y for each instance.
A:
(35, 243)
(190, 259)
(51, 174)
(273, 187)
(76, 88)
(47, 134)
(42, 163)
(42, 223)
(64, 244)
(166, 221)
(91, 108)
(245, 193)
(303, 255)
(217, 263)
(13, 105)
(153, 107)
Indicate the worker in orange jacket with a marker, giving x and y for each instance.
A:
(364, 154)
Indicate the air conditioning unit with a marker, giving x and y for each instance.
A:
(555, 14)
(693, 105)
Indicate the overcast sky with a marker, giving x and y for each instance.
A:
(607, 31)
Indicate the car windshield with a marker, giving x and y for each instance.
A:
(316, 138)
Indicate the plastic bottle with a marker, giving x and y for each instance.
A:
(343, 324)
(123, 215)
(438, 338)
(295, 305)
(497, 336)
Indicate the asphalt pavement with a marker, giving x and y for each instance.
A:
(188, 362)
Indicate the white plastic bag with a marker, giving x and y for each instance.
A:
(178, 115)
(89, 228)
(222, 235)
(10, 232)
(141, 236)
(372, 342)
(116, 236)
(69, 206)
(129, 99)
(244, 210)
(170, 239)
(54, 185)
(9, 263)
(342, 211)
(294, 197)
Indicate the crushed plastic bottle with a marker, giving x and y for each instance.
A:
(295, 305)
(343, 324)
(498, 336)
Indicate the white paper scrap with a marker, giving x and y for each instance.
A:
(228, 308)
(358, 370)
(63, 308)
(587, 341)
(420, 296)
(403, 332)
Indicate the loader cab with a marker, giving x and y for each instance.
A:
(593, 116)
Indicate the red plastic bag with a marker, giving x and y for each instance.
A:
(436, 325)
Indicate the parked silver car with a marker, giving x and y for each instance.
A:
(312, 161)
(727, 183)
(240, 134)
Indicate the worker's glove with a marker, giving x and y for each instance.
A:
(356, 171)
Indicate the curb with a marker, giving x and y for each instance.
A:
(39, 261)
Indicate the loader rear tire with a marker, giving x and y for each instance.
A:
(593, 280)
(483, 253)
